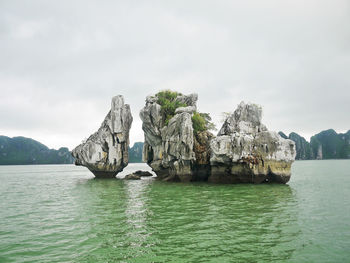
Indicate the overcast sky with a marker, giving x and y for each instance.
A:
(62, 61)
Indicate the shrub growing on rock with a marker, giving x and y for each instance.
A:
(167, 101)
(198, 123)
(202, 122)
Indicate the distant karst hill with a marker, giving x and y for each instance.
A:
(325, 145)
(21, 150)
(135, 153)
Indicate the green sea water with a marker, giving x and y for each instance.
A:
(60, 213)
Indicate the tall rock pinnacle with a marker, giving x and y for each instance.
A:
(105, 153)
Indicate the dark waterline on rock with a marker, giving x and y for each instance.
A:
(59, 213)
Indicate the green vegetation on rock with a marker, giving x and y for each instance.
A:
(202, 122)
(167, 100)
(198, 123)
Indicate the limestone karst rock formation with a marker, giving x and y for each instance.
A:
(168, 149)
(243, 152)
(246, 152)
(105, 153)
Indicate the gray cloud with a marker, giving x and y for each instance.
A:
(62, 61)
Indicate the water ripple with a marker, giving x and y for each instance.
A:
(62, 214)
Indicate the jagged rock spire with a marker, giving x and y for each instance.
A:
(105, 153)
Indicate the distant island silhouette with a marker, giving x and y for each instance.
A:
(20, 150)
(327, 144)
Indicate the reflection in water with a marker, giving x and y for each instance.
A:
(231, 223)
(136, 210)
(147, 220)
(59, 214)
(117, 214)
(150, 221)
(102, 206)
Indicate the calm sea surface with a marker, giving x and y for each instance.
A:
(60, 213)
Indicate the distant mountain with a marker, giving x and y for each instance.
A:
(324, 145)
(283, 135)
(303, 148)
(135, 153)
(331, 145)
(21, 150)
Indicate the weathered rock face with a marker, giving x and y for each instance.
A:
(246, 152)
(105, 153)
(243, 152)
(169, 149)
(246, 119)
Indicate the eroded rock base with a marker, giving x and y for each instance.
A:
(104, 175)
(271, 172)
